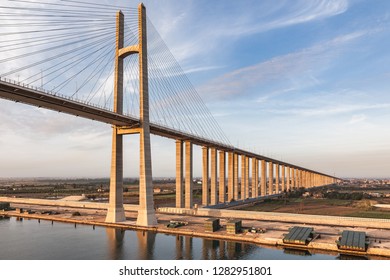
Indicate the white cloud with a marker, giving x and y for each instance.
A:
(357, 118)
(292, 13)
(227, 24)
(282, 68)
(333, 110)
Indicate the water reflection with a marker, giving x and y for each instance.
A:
(179, 247)
(146, 244)
(298, 252)
(183, 247)
(61, 241)
(351, 257)
(115, 243)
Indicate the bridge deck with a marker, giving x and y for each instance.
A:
(33, 96)
(63, 104)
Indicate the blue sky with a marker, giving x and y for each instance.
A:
(306, 82)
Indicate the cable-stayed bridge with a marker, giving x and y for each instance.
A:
(96, 62)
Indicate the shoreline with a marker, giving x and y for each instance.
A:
(273, 237)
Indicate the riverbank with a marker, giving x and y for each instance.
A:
(273, 234)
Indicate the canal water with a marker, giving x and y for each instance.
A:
(33, 240)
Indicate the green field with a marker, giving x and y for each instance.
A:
(332, 207)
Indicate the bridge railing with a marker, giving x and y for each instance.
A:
(56, 94)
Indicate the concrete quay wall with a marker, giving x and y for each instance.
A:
(282, 217)
(64, 203)
(221, 213)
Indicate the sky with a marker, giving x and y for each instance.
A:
(306, 82)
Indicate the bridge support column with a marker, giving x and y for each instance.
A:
(222, 176)
(299, 181)
(255, 177)
(213, 195)
(189, 178)
(270, 178)
(146, 212)
(283, 178)
(179, 174)
(235, 179)
(263, 178)
(277, 173)
(243, 178)
(308, 180)
(292, 178)
(205, 176)
(230, 176)
(288, 183)
(295, 178)
(312, 180)
(116, 212)
(246, 177)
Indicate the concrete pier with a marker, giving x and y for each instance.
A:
(213, 181)
(263, 178)
(188, 175)
(312, 179)
(293, 178)
(255, 178)
(246, 177)
(146, 212)
(270, 177)
(300, 178)
(288, 183)
(230, 176)
(277, 173)
(243, 177)
(115, 212)
(222, 176)
(235, 179)
(205, 176)
(179, 174)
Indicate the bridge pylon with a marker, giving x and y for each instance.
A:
(146, 212)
